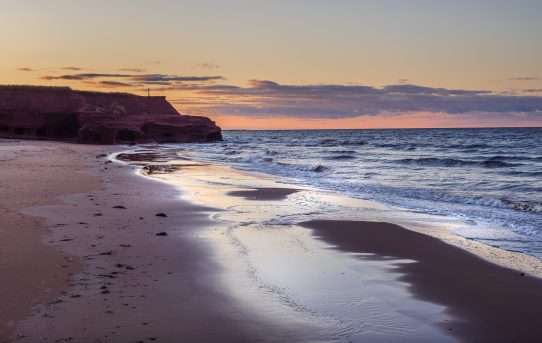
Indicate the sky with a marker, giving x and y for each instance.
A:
(291, 64)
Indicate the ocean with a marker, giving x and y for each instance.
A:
(490, 178)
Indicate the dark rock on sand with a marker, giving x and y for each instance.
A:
(60, 113)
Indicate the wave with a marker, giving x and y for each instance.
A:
(233, 152)
(342, 157)
(443, 196)
(335, 142)
(342, 152)
(453, 162)
(469, 146)
(514, 158)
(524, 206)
(320, 168)
(437, 162)
(478, 175)
(354, 142)
(396, 146)
(525, 173)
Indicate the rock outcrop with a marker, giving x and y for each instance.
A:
(60, 113)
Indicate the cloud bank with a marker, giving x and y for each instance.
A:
(267, 98)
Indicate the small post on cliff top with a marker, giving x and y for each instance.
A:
(148, 92)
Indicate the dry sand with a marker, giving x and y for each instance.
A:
(31, 272)
(491, 303)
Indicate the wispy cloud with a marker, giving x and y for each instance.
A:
(172, 78)
(134, 70)
(114, 84)
(153, 62)
(135, 79)
(71, 68)
(525, 78)
(207, 66)
(82, 76)
(25, 69)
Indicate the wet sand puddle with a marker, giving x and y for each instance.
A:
(274, 265)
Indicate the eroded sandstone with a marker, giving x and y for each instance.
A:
(60, 113)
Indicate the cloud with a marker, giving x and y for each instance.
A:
(81, 76)
(153, 62)
(173, 78)
(134, 70)
(525, 78)
(135, 79)
(413, 89)
(532, 90)
(264, 98)
(71, 68)
(207, 66)
(113, 84)
(25, 69)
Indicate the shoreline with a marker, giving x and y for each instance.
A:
(230, 252)
(472, 318)
(159, 165)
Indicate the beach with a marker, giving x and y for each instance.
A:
(146, 247)
(96, 272)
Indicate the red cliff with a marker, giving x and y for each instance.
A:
(60, 113)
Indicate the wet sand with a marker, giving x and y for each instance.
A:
(264, 193)
(490, 303)
(144, 273)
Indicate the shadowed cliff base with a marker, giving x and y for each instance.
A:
(60, 113)
(490, 303)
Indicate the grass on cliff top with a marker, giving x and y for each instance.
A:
(57, 89)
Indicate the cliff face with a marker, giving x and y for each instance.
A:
(59, 113)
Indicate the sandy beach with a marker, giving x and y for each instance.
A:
(103, 266)
(92, 251)
(33, 272)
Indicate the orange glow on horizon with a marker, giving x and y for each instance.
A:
(402, 121)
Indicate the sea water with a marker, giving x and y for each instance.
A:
(491, 178)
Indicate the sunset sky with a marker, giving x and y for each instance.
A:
(291, 63)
